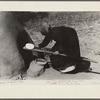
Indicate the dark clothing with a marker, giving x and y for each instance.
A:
(65, 37)
(67, 43)
(60, 62)
(81, 66)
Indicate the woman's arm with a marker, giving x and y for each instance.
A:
(45, 42)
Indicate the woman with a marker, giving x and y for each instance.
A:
(67, 43)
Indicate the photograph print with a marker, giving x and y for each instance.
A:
(50, 45)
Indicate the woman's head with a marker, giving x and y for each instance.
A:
(44, 29)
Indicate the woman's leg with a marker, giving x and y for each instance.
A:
(81, 66)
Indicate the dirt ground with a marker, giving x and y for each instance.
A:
(88, 30)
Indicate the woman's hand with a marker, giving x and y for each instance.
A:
(36, 45)
(56, 53)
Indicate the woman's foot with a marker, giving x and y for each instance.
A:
(68, 69)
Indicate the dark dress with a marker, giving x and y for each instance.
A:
(67, 43)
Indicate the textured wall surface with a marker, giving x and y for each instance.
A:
(11, 62)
